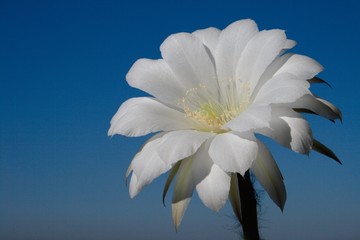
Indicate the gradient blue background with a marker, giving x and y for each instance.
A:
(62, 75)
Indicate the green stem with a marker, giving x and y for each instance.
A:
(248, 207)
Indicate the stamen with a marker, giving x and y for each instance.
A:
(212, 114)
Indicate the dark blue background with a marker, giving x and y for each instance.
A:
(62, 75)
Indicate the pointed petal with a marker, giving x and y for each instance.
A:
(268, 174)
(315, 105)
(140, 116)
(232, 42)
(234, 196)
(183, 189)
(192, 171)
(190, 61)
(158, 155)
(282, 88)
(233, 153)
(261, 50)
(170, 178)
(318, 80)
(289, 44)
(178, 211)
(256, 116)
(213, 190)
(332, 107)
(155, 77)
(321, 148)
(209, 37)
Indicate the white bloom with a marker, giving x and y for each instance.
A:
(212, 91)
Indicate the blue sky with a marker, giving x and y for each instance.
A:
(62, 76)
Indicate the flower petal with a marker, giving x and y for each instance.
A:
(234, 196)
(258, 54)
(213, 190)
(256, 116)
(268, 174)
(282, 88)
(332, 107)
(187, 57)
(301, 66)
(232, 42)
(186, 180)
(233, 152)
(140, 116)
(155, 77)
(209, 37)
(160, 154)
(315, 105)
(289, 129)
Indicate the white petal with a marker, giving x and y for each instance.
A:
(268, 174)
(180, 144)
(209, 37)
(234, 196)
(301, 137)
(282, 88)
(332, 107)
(213, 190)
(258, 54)
(140, 116)
(256, 116)
(178, 211)
(300, 66)
(160, 154)
(290, 130)
(233, 153)
(317, 106)
(186, 180)
(188, 58)
(289, 44)
(270, 71)
(156, 78)
(232, 42)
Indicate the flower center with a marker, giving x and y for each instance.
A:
(211, 113)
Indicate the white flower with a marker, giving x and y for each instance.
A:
(212, 91)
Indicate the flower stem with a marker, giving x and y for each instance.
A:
(248, 207)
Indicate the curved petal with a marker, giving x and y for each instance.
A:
(155, 77)
(289, 129)
(261, 50)
(282, 88)
(213, 190)
(182, 192)
(234, 196)
(191, 172)
(232, 42)
(140, 116)
(315, 105)
(270, 71)
(160, 154)
(209, 37)
(301, 66)
(268, 174)
(256, 116)
(332, 107)
(187, 57)
(233, 152)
